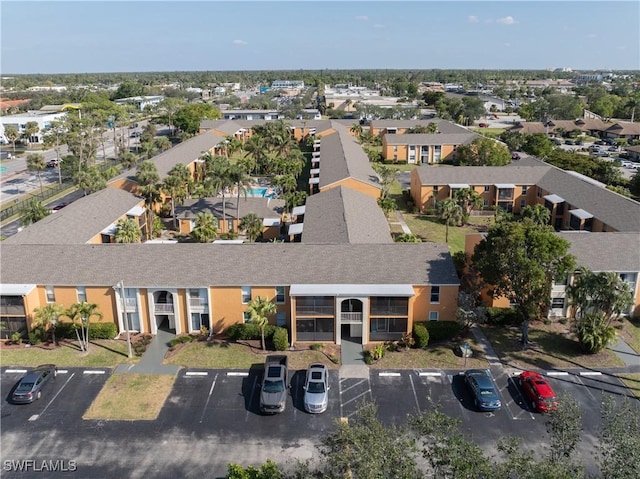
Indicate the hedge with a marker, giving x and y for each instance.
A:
(503, 316)
(280, 339)
(96, 331)
(421, 335)
(440, 330)
(248, 331)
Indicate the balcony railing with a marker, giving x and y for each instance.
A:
(351, 318)
(197, 302)
(312, 310)
(163, 308)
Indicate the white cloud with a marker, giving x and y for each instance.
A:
(509, 20)
(239, 42)
(472, 19)
(378, 25)
(592, 35)
(507, 44)
(362, 18)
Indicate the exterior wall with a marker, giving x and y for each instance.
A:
(401, 152)
(421, 305)
(356, 185)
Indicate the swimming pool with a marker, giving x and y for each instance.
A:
(257, 192)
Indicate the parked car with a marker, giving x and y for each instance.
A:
(569, 142)
(599, 142)
(30, 387)
(316, 389)
(515, 155)
(135, 134)
(483, 389)
(538, 391)
(613, 148)
(557, 141)
(273, 394)
(53, 163)
(484, 125)
(59, 206)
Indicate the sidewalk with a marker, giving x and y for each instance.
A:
(400, 221)
(151, 362)
(627, 355)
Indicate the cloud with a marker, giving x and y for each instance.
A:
(472, 19)
(362, 18)
(507, 44)
(509, 20)
(592, 35)
(239, 42)
(378, 25)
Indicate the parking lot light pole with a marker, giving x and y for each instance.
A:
(125, 321)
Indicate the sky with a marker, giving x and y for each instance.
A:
(127, 36)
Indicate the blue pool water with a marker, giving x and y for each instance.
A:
(258, 192)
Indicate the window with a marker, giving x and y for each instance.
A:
(523, 203)
(433, 316)
(557, 303)
(382, 329)
(539, 193)
(435, 294)
(246, 316)
(487, 189)
(82, 294)
(134, 321)
(280, 295)
(314, 329)
(246, 294)
(51, 296)
(395, 148)
(198, 320)
(485, 203)
(389, 305)
(435, 190)
(281, 319)
(524, 190)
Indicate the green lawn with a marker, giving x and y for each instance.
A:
(429, 228)
(438, 356)
(631, 333)
(632, 381)
(238, 356)
(102, 353)
(551, 347)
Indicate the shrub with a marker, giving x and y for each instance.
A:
(280, 339)
(102, 331)
(316, 346)
(407, 341)
(16, 338)
(368, 357)
(36, 336)
(249, 331)
(187, 338)
(66, 330)
(420, 335)
(503, 316)
(442, 330)
(334, 359)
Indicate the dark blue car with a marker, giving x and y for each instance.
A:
(483, 389)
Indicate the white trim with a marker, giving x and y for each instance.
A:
(16, 289)
(295, 229)
(580, 213)
(357, 290)
(298, 210)
(555, 199)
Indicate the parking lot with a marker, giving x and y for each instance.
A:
(220, 408)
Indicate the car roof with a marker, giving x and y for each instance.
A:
(541, 385)
(481, 376)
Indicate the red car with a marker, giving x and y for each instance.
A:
(484, 125)
(538, 390)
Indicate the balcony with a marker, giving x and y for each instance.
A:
(303, 310)
(351, 318)
(131, 304)
(163, 308)
(197, 302)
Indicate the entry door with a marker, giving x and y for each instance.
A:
(355, 330)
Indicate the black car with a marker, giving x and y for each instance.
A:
(29, 388)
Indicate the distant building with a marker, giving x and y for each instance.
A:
(287, 85)
(43, 119)
(140, 102)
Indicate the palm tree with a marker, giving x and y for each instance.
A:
(356, 129)
(162, 143)
(33, 211)
(241, 181)
(35, 162)
(537, 213)
(12, 134)
(451, 213)
(633, 103)
(432, 128)
(232, 145)
(127, 231)
(218, 179)
(176, 185)
(147, 176)
(47, 318)
(206, 228)
(251, 224)
(31, 128)
(82, 313)
(468, 199)
(260, 309)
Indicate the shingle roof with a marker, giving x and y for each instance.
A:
(615, 210)
(619, 252)
(342, 157)
(232, 126)
(444, 126)
(480, 175)
(431, 139)
(625, 128)
(263, 207)
(199, 265)
(80, 221)
(343, 215)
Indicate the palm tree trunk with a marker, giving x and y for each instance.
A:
(80, 341)
(264, 348)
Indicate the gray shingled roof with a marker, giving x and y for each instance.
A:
(343, 215)
(342, 157)
(619, 252)
(80, 221)
(481, 175)
(232, 126)
(263, 207)
(444, 126)
(198, 265)
(431, 139)
(615, 210)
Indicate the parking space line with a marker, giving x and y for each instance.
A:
(204, 409)
(426, 373)
(590, 373)
(557, 373)
(238, 373)
(524, 401)
(36, 416)
(415, 395)
(196, 373)
(358, 396)
(94, 372)
(16, 371)
(385, 374)
(352, 386)
(62, 371)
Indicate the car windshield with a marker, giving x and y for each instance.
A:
(22, 387)
(315, 387)
(273, 386)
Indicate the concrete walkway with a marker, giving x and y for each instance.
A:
(151, 362)
(400, 221)
(628, 356)
(352, 360)
(485, 346)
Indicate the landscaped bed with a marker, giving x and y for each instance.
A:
(131, 397)
(550, 346)
(102, 353)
